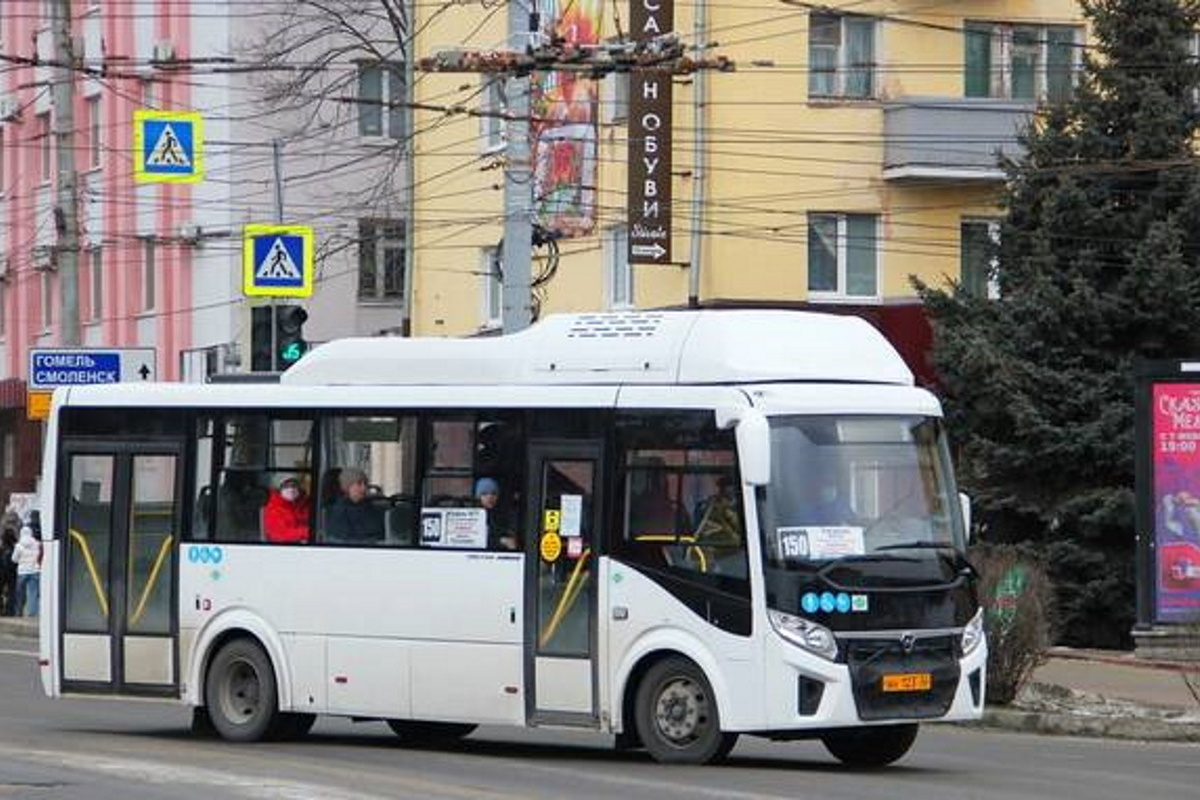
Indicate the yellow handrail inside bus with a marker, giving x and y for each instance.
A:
(163, 549)
(91, 568)
(693, 550)
(570, 592)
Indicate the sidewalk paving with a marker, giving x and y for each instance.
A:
(1075, 693)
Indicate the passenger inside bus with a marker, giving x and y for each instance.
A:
(500, 535)
(352, 517)
(285, 517)
(828, 504)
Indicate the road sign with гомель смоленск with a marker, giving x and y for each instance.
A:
(51, 367)
(277, 261)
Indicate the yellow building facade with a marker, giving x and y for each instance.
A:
(853, 147)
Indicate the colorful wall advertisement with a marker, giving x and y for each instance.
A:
(1175, 462)
(564, 124)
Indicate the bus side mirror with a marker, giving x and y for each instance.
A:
(964, 502)
(753, 442)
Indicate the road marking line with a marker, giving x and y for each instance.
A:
(30, 653)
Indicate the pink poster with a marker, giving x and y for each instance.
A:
(1176, 466)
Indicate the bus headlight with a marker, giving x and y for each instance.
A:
(812, 637)
(972, 635)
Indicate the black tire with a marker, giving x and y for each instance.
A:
(676, 715)
(292, 725)
(243, 702)
(420, 733)
(870, 747)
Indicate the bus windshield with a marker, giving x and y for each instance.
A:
(846, 486)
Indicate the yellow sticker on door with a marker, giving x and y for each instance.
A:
(551, 519)
(551, 546)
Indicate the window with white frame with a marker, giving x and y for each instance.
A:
(3, 305)
(149, 282)
(47, 299)
(94, 131)
(843, 256)
(615, 98)
(381, 110)
(841, 56)
(617, 269)
(978, 240)
(491, 119)
(97, 283)
(1, 159)
(380, 259)
(45, 142)
(492, 284)
(1020, 62)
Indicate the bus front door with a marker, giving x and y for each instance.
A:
(560, 598)
(118, 527)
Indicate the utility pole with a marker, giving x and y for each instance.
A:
(517, 255)
(276, 158)
(66, 217)
(665, 54)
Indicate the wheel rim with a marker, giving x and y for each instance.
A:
(241, 692)
(681, 713)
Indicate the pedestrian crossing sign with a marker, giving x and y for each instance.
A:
(168, 146)
(277, 261)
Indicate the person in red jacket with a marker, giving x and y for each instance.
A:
(287, 512)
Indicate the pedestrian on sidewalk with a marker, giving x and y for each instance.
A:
(8, 572)
(28, 557)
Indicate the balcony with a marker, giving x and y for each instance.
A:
(950, 138)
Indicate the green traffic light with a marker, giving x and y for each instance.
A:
(292, 352)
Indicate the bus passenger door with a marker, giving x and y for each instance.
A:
(560, 599)
(118, 527)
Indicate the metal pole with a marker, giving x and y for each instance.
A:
(700, 157)
(276, 162)
(518, 184)
(67, 217)
(410, 169)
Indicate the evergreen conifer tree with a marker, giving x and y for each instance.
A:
(1098, 263)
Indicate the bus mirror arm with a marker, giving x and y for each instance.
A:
(753, 434)
(964, 502)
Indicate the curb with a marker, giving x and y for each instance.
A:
(19, 627)
(1136, 728)
(1122, 659)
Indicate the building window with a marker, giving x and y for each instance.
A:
(615, 98)
(841, 56)
(94, 128)
(494, 107)
(97, 283)
(1, 160)
(3, 304)
(380, 260)
(149, 289)
(47, 299)
(44, 145)
(493, 287)
(1020, 62)
(617, 269)
(977, 257)
(843, 258)
(381, 110)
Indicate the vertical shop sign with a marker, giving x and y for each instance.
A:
(649, 210)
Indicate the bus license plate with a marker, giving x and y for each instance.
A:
(910, 682)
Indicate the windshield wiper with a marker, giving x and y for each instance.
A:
(916, 546)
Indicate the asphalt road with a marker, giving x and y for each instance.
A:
(100, 749)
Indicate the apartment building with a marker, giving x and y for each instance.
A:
(848, 151)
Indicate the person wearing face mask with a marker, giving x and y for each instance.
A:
(286, 516)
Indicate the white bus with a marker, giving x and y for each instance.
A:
(705, 524)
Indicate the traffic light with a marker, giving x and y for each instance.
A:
(260, 339)
(289, 335)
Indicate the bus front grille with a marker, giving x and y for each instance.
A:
(870, 660)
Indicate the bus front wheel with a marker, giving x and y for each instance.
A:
(240, 692)
(676, 715)
(870, 747)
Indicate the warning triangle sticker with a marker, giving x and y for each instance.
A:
(168, 152)
(278, 263)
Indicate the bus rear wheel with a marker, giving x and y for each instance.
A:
(240, 692)
(870, 747)
(421, 733)
(676, 715)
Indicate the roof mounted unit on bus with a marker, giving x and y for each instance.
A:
(653, 347)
